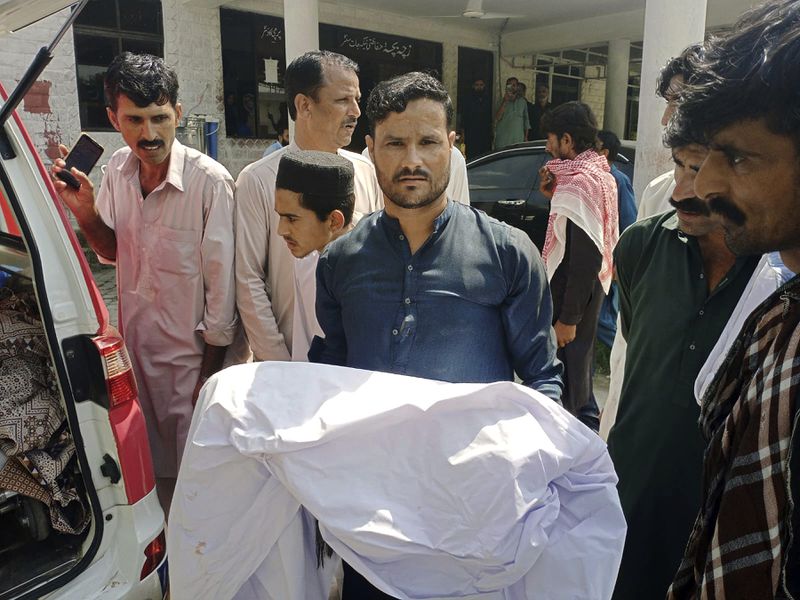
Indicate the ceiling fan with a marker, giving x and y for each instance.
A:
(474, 10)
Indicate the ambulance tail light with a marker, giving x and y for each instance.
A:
(125, 415)
(120, 380)
(153, 555)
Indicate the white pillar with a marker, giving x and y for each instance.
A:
(301, 25)
(669, 27)
(617, 70)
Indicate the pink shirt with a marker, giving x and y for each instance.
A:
(175, 282)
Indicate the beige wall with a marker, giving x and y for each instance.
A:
(52, 118)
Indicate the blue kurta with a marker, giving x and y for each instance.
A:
(471, 305)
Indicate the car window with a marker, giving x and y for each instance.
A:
(629, 153)
(505, 172)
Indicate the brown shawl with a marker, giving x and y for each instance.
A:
(738, 547)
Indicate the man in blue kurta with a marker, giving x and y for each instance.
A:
(430, 287)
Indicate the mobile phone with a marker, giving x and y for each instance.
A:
(83, 156)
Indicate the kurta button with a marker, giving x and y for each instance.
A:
(401, 237)
(702, 312)
(395, 332)
(702, 276)
(407, 300)
(691, 347)
(410, 267)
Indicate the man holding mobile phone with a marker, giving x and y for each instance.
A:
(164, 217)
(83, 157)
(511, 121)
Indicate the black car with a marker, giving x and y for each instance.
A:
(505, 184)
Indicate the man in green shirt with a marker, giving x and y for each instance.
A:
(511, 120)
(678, 286)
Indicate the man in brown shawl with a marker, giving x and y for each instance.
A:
(743, 102)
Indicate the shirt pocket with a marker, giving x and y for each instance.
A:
(178, 251)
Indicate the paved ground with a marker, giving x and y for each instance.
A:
(105, 277)
(600, 387)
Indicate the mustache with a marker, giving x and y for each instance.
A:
(406, 172)
(349, 121)
(726, 209)
(144, 143)
(694, 205)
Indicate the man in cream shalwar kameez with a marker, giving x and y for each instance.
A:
(264, 265)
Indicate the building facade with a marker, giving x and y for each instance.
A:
(229, 60)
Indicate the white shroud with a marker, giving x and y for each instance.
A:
(429, 489)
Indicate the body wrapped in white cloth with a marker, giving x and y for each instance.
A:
(429, 489)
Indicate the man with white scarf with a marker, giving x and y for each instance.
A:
(581, 235)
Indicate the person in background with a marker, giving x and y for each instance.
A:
(459, 143)
(476, 119)
(164, 216)
(511, 121)
(581, 234)
(283, 140)
(314, 199)
(536, 112)
(522, 90)
(656, 196)
(458, 187)
(247, 113)
(626, 200)
(655, 199)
